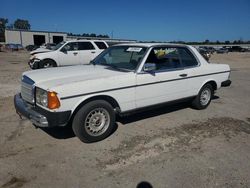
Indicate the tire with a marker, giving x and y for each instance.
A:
(47, 63)
(34, 65)
(94, 121)
(203, 99)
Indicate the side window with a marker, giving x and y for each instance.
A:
(165, 58)
(72, 46)
(85, 46)
(101, 45)
(187, 58)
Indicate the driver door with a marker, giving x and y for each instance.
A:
(165, 83)
(69, 54)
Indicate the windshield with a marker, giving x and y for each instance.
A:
(58, 45)
(121, 57)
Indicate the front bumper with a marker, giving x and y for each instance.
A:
(34, 63)
(38, 116)
(226, 83)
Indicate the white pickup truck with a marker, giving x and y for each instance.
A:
(73, 52)
(122, 79)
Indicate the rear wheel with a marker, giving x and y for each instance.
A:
(203, 99)
(47, 63)
(94, 121)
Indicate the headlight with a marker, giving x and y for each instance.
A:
(41, 97)
(47, 99)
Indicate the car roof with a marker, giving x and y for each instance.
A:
(84, 40)
(151, 44)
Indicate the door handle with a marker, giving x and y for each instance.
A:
(75, 53)
(183, 75)
(93, 52)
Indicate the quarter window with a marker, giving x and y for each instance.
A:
(165, 58)
(85, 46)
(187, 58)
(101, 45)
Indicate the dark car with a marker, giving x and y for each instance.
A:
(31, 47)
(19, 46)
(237, 49)
(210, 49)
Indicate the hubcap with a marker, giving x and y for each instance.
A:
(32, 64)
(97, 122)
(46, 65)
(205, 96)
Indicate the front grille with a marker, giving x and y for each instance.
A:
(27, 89)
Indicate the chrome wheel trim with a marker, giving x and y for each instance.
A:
(97, 121)
(205, 96)
(46, 65)
(31, 64)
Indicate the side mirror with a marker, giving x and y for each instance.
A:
(148, 67)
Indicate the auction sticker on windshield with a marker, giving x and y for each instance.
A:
(134, 49)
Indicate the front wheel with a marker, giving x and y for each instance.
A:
(47, 63)
(203, 99)
(34, 65)
(94, 121)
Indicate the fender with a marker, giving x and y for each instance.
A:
(212, 82)
(107, 98)
(50, 59)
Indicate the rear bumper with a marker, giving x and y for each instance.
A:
(39, 116)
(226, 83)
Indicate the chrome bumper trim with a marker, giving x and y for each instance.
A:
(25, 109)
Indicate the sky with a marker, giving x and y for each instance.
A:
(148, 20)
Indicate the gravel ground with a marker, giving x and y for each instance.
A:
(173, 146)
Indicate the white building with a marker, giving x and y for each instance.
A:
(27, 37)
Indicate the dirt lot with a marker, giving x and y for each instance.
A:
(173, 146)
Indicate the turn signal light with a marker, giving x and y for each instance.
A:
(53, 101)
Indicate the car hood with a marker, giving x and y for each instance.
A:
(53, 77)
(39, 50)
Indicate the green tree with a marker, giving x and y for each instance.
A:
(3, 23)
(92, 35)
(206, 41)
(22, 24)
(103, 36)
(85, 35)
(235, 42)
(10, 26)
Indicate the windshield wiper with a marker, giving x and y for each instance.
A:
(117, 68)
(109, 65)
(112, 66)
